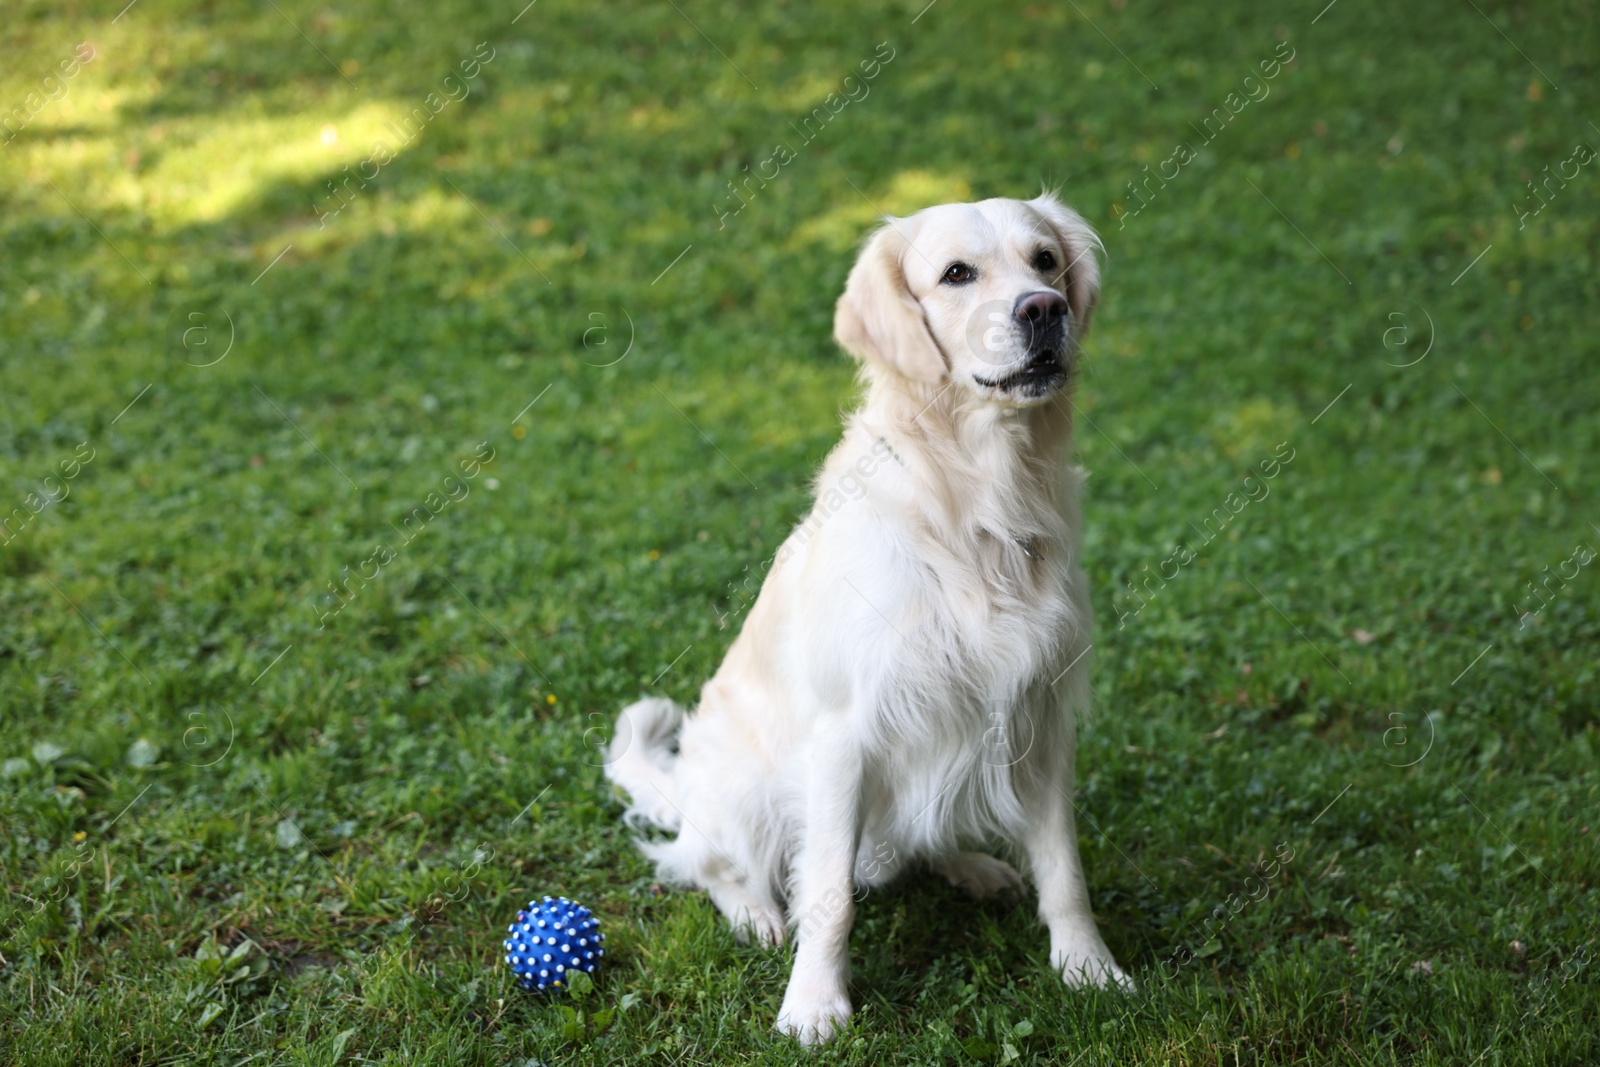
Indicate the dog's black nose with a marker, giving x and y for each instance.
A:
(1041, 310)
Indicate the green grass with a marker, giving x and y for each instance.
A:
(194, 767)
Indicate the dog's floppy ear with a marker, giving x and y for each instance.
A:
(1080, 243)
(878, 319)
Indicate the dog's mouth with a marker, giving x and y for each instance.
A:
(1044, 374)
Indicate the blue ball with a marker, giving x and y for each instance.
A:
(553, 936)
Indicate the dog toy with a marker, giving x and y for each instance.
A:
(553, 936)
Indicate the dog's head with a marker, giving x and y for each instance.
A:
(994, 296)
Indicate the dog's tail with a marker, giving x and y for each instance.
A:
(640, 759)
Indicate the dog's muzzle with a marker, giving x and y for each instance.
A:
(1042, 318)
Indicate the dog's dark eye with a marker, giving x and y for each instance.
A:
(1044, 260)
(958, 274)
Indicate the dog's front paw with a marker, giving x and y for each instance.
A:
(812, 1019)
(1103, 973)
(1084, 960)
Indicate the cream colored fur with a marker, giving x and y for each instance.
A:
(905, 685)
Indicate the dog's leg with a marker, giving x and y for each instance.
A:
(1076, 948)
(818, 998)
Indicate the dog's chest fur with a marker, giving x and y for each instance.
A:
(993, 550)
(988, 618)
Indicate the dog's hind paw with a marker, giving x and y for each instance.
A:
(765, 924)
(748, 914)
(981, 875)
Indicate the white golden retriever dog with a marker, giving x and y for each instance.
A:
(905, 686)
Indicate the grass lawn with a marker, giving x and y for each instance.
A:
(308, 645)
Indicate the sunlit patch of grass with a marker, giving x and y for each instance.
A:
(197, 171)
(1253, 427)
(841, 227)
